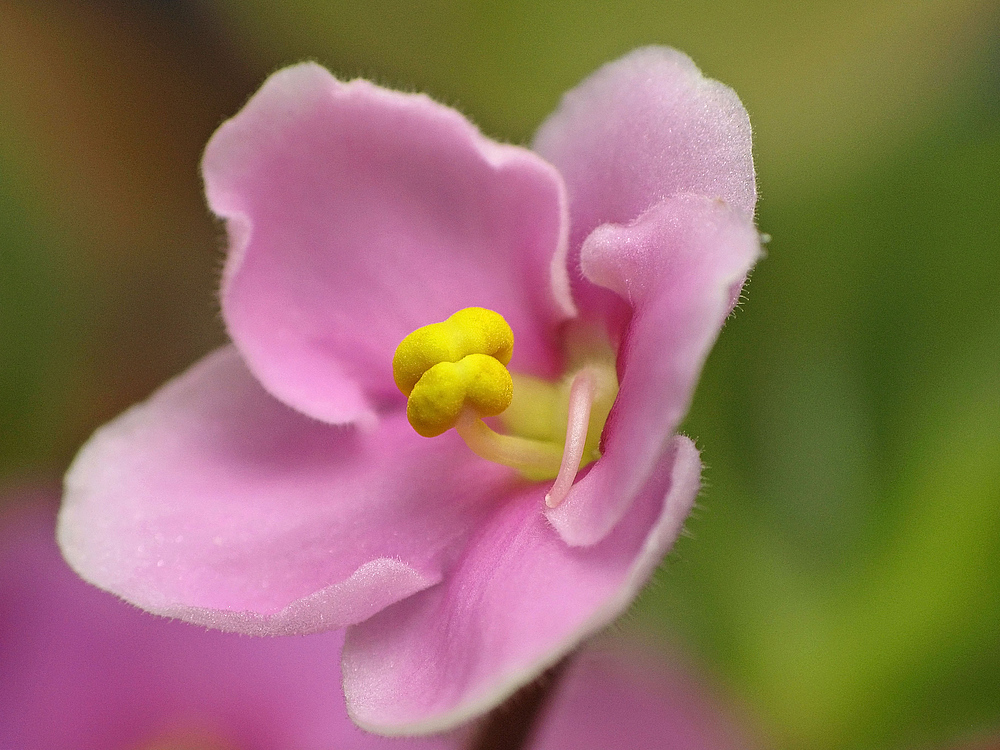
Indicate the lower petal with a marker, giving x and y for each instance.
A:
(677, 266)
(215, 503)
(514, 604)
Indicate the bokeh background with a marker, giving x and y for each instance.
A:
(840, 582)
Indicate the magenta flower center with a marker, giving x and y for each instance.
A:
(454, 374)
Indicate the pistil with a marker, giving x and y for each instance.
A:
(581, 399)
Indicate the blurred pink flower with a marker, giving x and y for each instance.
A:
(276, 487)
(616, 696)
(80, 670)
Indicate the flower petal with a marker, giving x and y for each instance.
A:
(516, 602)
(616, 697)
(678, 267)
(639, 130)
(217, 504)
(356, 215)
(83, 670)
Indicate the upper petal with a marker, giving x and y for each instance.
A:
(678, 267)
(216, 503)
(641, 129)
(357, 214)
(85, 671)
(516, 602)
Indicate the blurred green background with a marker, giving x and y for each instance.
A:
(841, 580)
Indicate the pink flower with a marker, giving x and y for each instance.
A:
(82, 671)
(613, 696)
(276, 487)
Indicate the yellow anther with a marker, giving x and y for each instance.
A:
(474, 330)
(477, 382)
(447, 367)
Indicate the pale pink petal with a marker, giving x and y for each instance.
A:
(516, 602)
(613, 697)
(80, 670)
(215, 503)
(677, 267)
(357, 214)
(639, 130)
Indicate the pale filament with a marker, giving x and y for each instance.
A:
(524, 454)
(581, 398)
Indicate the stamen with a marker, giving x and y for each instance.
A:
(476, 381)
(454, 374)
(444, 367)
(535, 459)
(581, 398)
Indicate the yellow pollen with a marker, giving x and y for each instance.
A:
(446, 368)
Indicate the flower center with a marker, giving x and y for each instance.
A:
(454, 374)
